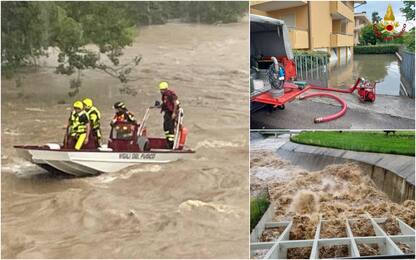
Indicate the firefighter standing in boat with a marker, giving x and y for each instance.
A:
(78, 126)
(94, 116)
(170, 106)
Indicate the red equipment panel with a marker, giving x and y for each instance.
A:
(291, 92)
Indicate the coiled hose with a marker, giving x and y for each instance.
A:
(330, 117)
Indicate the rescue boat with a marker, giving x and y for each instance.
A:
(128, 145)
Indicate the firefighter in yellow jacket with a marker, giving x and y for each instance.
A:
(79, 125)
(94, 117)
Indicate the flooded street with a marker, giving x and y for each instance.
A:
(383, 68)
(195, 208)
(391, 109)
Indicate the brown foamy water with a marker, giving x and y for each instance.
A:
(196, 207)
(336, 192)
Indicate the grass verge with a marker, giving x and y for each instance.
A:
(258, 206)
(400, 142)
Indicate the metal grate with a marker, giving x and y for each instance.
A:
(387, 244)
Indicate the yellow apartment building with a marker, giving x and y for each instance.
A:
(361, 20)
(315, 25)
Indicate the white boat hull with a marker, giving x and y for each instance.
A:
(82, 163)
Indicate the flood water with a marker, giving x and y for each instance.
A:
(196, 207)
(383, 68)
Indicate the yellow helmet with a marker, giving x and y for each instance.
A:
(163, 85)
(87, 102)
(78, 104)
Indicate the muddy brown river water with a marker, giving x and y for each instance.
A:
(196, 207)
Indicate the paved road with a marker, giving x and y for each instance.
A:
(387, 112)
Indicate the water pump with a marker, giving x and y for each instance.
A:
(366, 90)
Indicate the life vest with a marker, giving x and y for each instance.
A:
(124, 117)
(76, 125)
(94, 116)
(169, 99)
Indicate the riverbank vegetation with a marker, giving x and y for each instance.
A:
(258, 206)
(29, 29)
(397, 142)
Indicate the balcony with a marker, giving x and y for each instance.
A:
(298, 38)
(340, 11)
(340, 40)
(267, 6)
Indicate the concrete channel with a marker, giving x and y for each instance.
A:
(393, 174)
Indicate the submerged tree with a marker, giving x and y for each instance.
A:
(30, 28)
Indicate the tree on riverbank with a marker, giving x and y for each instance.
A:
(30, 28)
(409, 12)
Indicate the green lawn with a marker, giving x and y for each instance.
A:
(402, 142)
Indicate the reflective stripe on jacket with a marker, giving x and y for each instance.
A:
(126, 116)
(94, 116)
(78, 123)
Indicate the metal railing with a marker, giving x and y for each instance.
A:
(312, 68)
(407, 72)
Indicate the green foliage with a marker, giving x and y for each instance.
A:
(402, 142)
(409, 10)
(409, 40)
(106, 25)
(367, 35)
(375, 18)
(377, 49)
(23, 34)
(258, 206)
(30, 28)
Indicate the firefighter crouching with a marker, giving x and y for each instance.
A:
(170, 106)
(94, 117)
(122, 114)
(78, 127)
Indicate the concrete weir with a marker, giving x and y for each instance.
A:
(280, 246)
(393, 174)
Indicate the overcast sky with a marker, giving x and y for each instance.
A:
(381, 8)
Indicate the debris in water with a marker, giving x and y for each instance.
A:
(299, 253)
(391, 227)
(362, 228)
(333, 228)
(8, 131)
(259, 253)
(368, 249)
(405, 248)
(35, 109)
(303, 227)
(305, 202)
(333, 251)
(343, 191)
(271, 234)
(266, 158)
